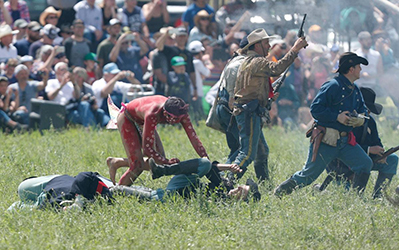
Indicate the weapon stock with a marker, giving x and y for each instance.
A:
(386, 153)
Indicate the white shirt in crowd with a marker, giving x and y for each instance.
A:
(120, 87)
(64, 95)
(373, 57)
(200, 70)
(7, 53)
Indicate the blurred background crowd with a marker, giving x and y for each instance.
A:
(76, 53)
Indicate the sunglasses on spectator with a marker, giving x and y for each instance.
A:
(52, 17)
(204, 18)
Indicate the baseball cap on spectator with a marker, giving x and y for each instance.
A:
(34, 26)
(25, 59)
(49, 10)
(77, 21)
(66, 29)
(111, 68)
(276, 41)
(364, 35)
(181, 31)
(196, 47)
(90, 57)
(20, 68)
(177, 61)
(314, 28)
(20, 23)
(6, 30)
(50, 31)
(114, 21)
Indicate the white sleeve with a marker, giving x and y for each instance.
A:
(202, 69)
(51, 85)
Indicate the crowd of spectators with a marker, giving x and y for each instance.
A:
(77, 55)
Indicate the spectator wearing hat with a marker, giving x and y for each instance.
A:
(374, 70)
(251, 92)
(178, 83)
(9, 70)
(28, 62)
(202, 28)
(105, 47)
(49, 32)
(112, 85)
(156, 15)
(32, 35)
(18, 10)
(21, 26)
(368, 138)
(7, 49)
(66, 8)
(133, 17)
(278, 48)
(65, 32)
(127, 56)
(76, 47)
(27, 90)
(193, 9)
(109, 11)
(331, 109)
(91, 15)
(50, 16)
(178, 49)
(5, 16)
(197, 49)
(91, 67)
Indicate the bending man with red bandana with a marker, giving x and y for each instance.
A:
(137, 125)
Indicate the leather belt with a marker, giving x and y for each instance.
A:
(343, 134)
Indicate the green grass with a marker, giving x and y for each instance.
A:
(334, 219)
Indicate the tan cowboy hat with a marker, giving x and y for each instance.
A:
(257, 36)
(46, 12)
(202, 14)
(6, 30)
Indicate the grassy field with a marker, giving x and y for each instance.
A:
(334, 219)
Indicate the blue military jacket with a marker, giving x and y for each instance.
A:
(334, 97)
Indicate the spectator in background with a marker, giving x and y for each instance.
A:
(295, 77)
(27, 90)
(105, 47)
(28, 62)
(127, 56)
(178, 83)
(5, 16)
(197, 49)
(49, 33)
(21, 26)
(156, 15)
(45, 58)
(86, 111)
(179, 49)
(111, 85)
(9, 70)
(91, 15)
(50, 16)
(7, 50)
(203, 27)
(65, 32)
(18, 10)
(91, 68)
(60, 89)
(370, 73)
(288, 104)
(334, 58)
(278, 48)
(383, 46)
(218, 62)
(67, 12)
(33, 34)
(132, 16)
(159, 63)
(193, 9)
(109, 10)
(76, 47)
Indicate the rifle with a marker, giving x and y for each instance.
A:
(386, 153)
(276, 87)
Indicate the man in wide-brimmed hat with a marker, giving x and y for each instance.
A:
(7, 50)
(251, 94)
(335, 110)
(50, 16)
(367, 137)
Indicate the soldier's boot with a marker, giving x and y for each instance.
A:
(360, 182)
(382, 182)
(285, 188)
(185, 167)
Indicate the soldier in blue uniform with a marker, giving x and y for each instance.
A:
(332, 137)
